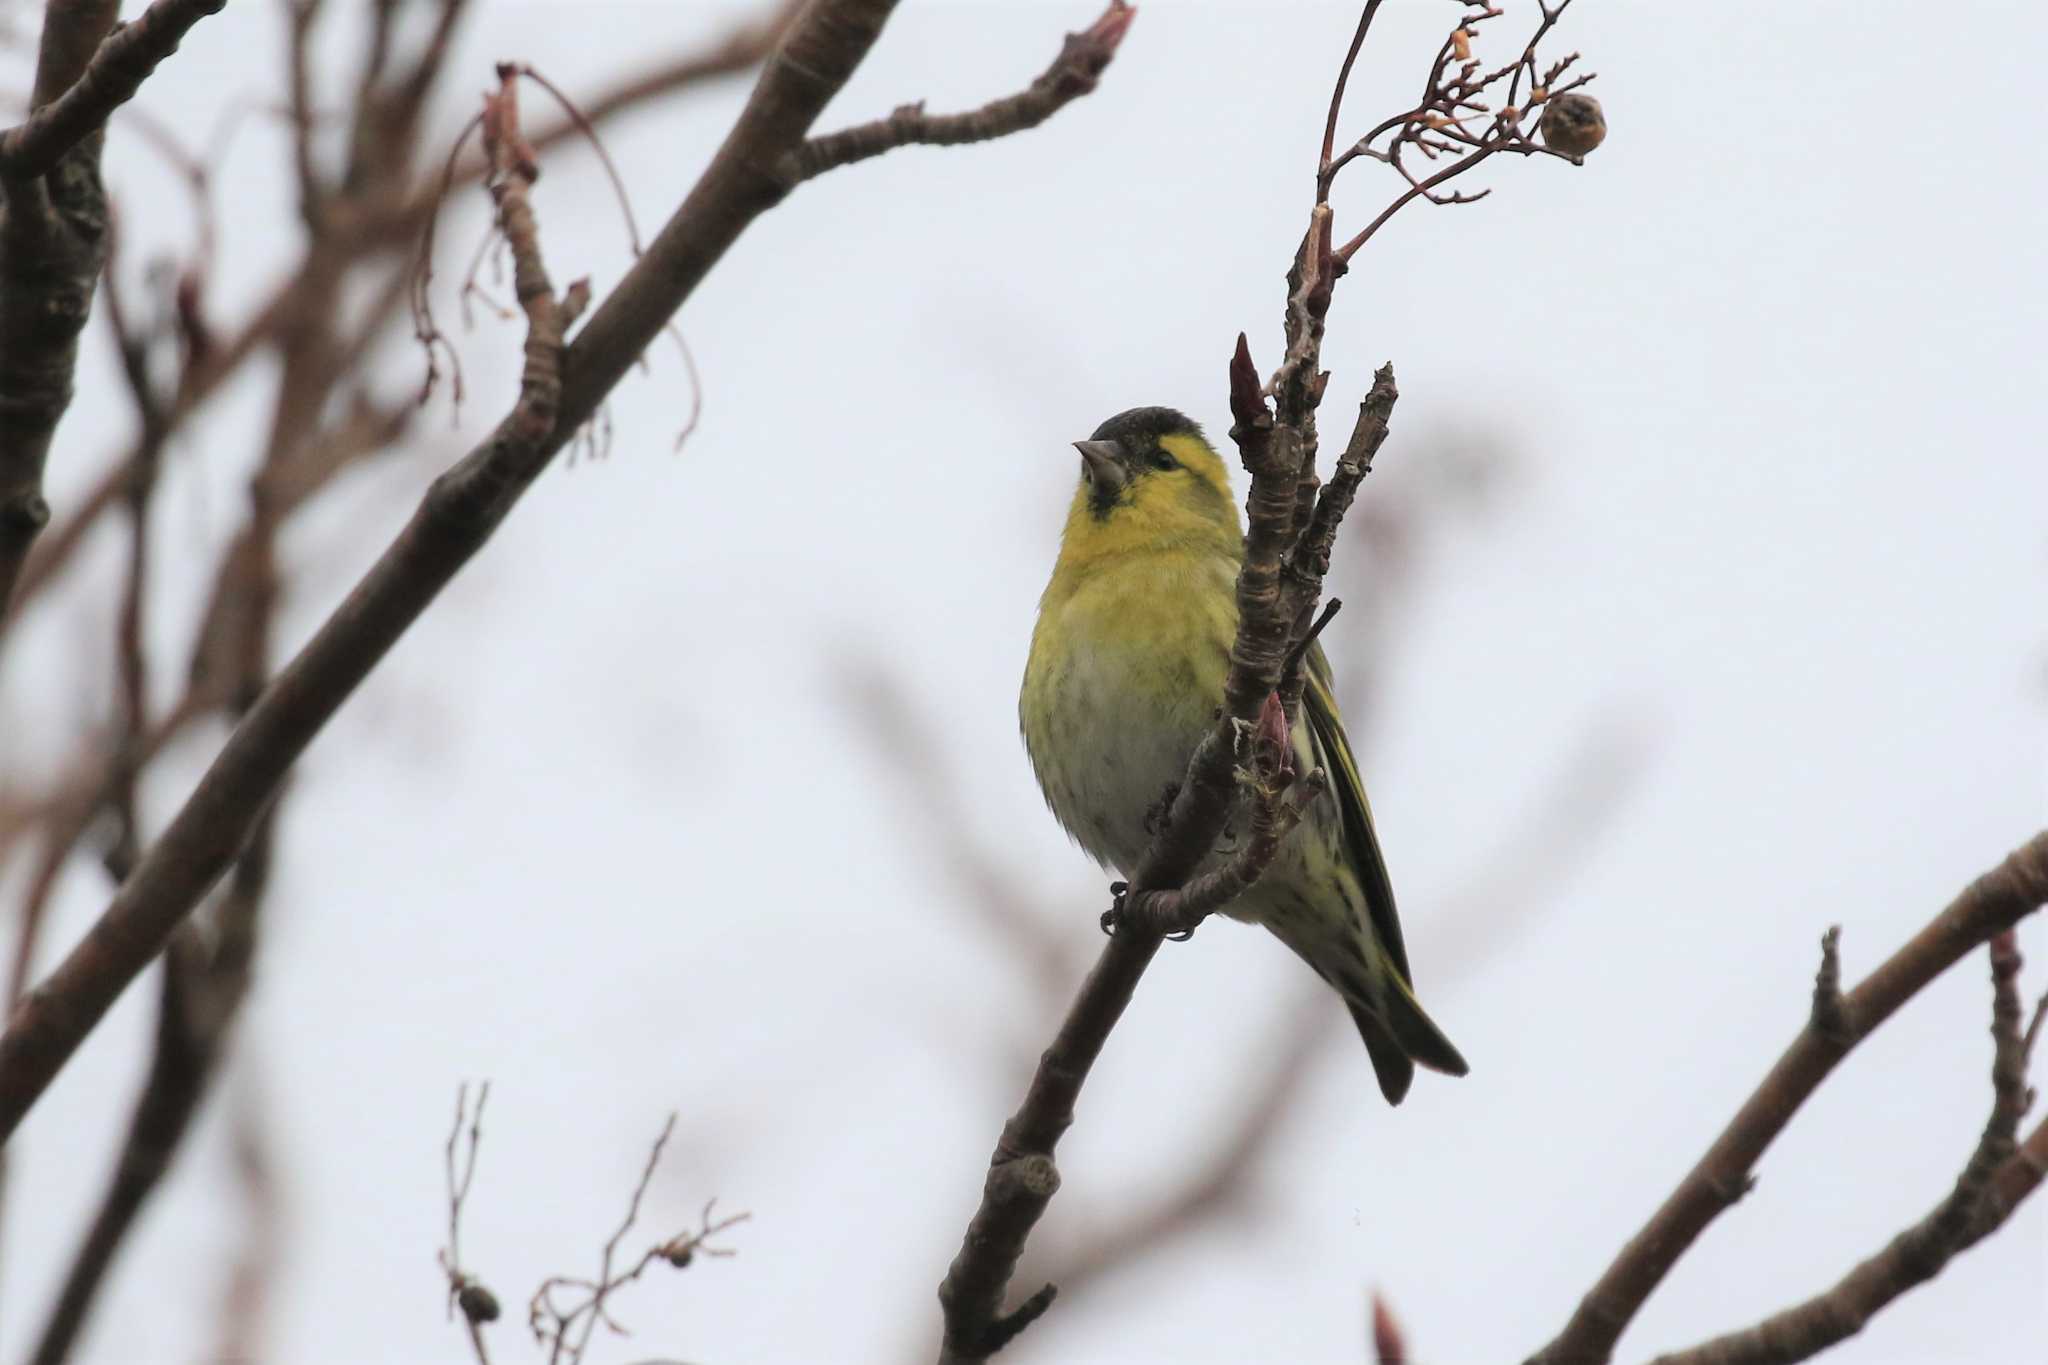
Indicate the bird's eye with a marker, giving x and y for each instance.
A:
(1162, 460)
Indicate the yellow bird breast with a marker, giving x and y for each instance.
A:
(1126, 671)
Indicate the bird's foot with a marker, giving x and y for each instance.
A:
(1113, 918)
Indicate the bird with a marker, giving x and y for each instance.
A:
(1124, 677)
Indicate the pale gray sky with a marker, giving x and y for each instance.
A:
(1766, 372)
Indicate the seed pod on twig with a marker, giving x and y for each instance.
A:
(1573, 124)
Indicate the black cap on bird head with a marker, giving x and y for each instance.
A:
(1126, 445)
(1139, 427)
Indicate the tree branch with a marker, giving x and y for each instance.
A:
(1081, 61)
(119, 66)
(1919, 1253)
(72, 32)
(1991, 904)
(53, 237)
(456, 517)
(1273, 817)
(206, 977)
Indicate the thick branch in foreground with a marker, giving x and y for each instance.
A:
(117, 70)
(457, 516)
(1990, 905)
(53, 235)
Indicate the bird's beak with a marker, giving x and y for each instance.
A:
(1103, 463)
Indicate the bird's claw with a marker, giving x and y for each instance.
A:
(1113, 916)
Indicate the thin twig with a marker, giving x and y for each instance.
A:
(478, 1305)
(1458, 96)
(1081, 61)
(566, 1330)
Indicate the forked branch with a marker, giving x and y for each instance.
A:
(1919, 1253)
(1989, 906)
(562, 388)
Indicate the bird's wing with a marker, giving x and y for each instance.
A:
(1319, 705)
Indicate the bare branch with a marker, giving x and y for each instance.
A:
(206, 974)
(1458, 95)
(253, 1274)
(206, 977)
(1991, 904)
(1082, 60)
(561, 389)
(1389, 1343)
(566, 1331)
(465, 1291)
(117, 70)
(1919, 1253)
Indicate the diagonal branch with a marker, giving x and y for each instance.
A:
(456, 517)
(1991, 904)
(1919, 1253)
(117, 70)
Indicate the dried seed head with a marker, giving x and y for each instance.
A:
(478, 1304)
(1573, 124)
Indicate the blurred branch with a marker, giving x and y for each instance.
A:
(55, 549)
(1389, 1342)
(1993, 903)
(252, 1277)
(740, 49)
(205, 977)
(1024, 934)
(119, 66)
(207, 967)
(1220, 1184)
(560, 390)
(1919, 1253)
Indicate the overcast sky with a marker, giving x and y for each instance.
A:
(1757, 394)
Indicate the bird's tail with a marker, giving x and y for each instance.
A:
(1399, 1033)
